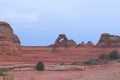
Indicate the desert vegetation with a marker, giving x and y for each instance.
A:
(113, 55)
(39, 66)
(103, 58)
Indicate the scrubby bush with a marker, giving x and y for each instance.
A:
(75, 63)
(40, 66)
(103, 56)
(113, 55)
(61, 63)
(91, 62)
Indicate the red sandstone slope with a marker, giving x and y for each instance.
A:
(67, 55)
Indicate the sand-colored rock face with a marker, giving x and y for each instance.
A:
(9, 42)
(107, 40)
(62, 41)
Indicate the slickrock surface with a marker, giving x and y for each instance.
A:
(66, 55)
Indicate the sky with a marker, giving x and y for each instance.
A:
(39, 22)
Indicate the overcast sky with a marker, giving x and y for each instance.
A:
(39, 22)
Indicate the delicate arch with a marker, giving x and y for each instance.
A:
(61, 40)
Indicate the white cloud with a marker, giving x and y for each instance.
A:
(31, 11)
(59, 7)
(18, 17)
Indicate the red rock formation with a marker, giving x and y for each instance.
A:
(89, 44)
(71, 43)
(62, 41)
(107, 40)
(81, 44)
(9, 42)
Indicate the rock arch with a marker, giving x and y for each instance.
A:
(61, 41)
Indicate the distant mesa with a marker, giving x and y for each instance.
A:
(107, 40)
(62, 41)
(9, 42)
(89, 44)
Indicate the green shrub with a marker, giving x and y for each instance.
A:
(103, 56)
(113, 55)
(40, 66)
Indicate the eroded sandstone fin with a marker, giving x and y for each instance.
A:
(9, 42)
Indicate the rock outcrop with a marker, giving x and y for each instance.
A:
(9, 42)
(107, 40)
(89, 44)
(62, 41)
(71, 43)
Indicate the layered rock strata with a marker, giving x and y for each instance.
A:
(9, 42)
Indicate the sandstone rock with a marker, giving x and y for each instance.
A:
(86, 45)
(107, 40)
(89, 44)
(71, 43)
(62, 41)
(9, 42)
(82, 44)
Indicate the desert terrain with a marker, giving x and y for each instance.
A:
(102, 72)
(63, 60)
(108, 71)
